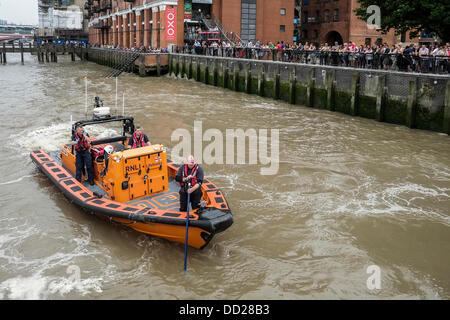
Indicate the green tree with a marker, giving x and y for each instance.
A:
(429, 16)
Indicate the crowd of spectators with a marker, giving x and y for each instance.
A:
(412, 57)
(142, 49)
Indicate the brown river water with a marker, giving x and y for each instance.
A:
(349, 193)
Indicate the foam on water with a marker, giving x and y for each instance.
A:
(52, 137)
(16, 180)
(394, 200)
(38, 285)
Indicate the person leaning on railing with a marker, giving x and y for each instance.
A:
(441, 60)
(424, 58)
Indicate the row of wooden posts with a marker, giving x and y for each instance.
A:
(21, 49)
(183, 68)
(50, 53)
(45, 53)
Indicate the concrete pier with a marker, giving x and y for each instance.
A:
(414, 100)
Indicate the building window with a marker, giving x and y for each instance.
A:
(305, 16)
(336, 15)
(316, 34)
(282, 28)
(403, 37)
(305, 2)
(283, 11)
(327, 15)
(305, 34)
(248, 20)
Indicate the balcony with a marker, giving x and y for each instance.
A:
(101, 25)
(313, 20)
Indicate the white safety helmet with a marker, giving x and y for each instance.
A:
(109, 149)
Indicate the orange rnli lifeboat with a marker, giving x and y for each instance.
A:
(136, 188)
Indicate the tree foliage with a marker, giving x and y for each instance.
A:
(429, 16)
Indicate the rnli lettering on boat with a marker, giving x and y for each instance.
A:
(131, 168)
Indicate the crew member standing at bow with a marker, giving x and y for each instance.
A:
(191, 173)
(138, 139)
(83, 155)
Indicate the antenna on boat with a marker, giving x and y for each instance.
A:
(116, 95)
(86, 97)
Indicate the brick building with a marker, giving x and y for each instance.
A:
(131, 23)
(334, 20)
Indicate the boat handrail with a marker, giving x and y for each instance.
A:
(108, 140)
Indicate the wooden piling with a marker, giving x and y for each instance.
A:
(310, 89)
(21, 53)
(411, 103)
(158, 65)
(142, 72)
(177, 67)
(447, 108)
(170, 65)
(55, 52)
(4, 53)
(292, 85)
(197, 70)
(189, 72)
(330, 84)
(215, 74)
(354, 102)
(236, 76)
(225, 75)
(276, 81)
(248, 79)
(183, 68)
(261, 76)
(381, 97)
(206, 73)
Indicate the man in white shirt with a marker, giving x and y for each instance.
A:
(424, 60)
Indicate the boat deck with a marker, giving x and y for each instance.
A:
(167, 200)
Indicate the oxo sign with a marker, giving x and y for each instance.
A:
(171, 24)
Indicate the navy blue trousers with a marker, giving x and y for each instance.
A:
(83, 158)
(195, 198)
